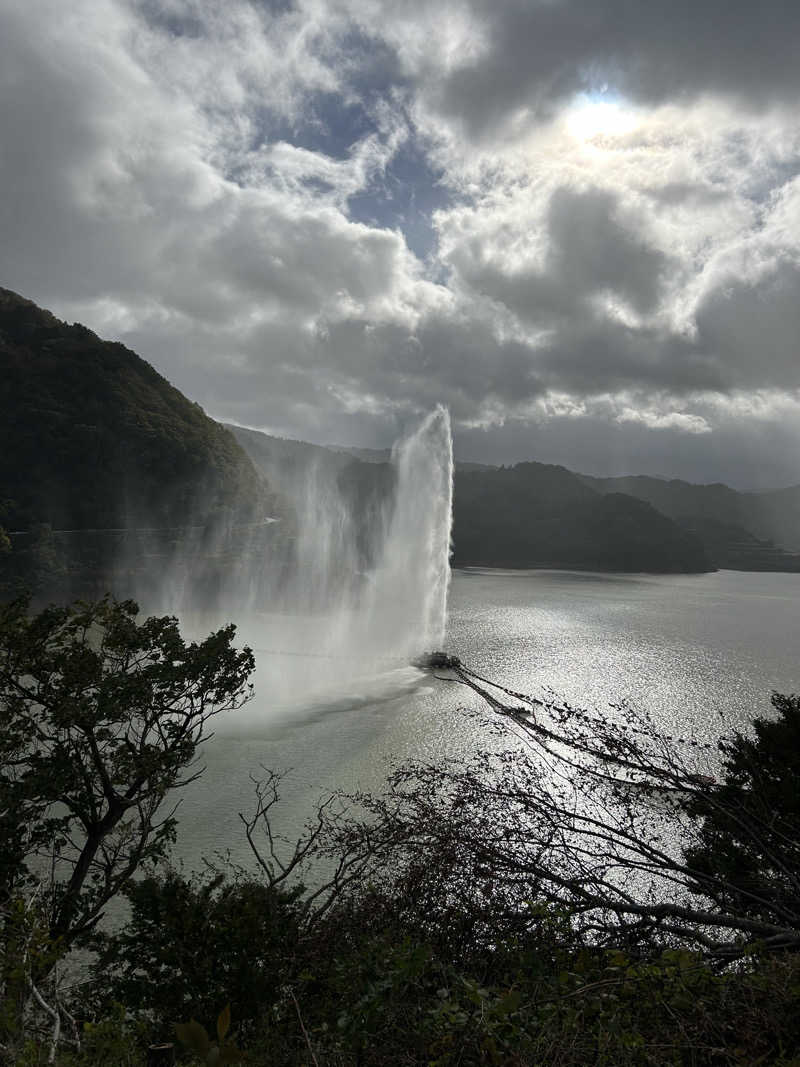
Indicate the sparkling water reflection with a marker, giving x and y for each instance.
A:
(699, 653)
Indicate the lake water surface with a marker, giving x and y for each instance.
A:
(700, 653)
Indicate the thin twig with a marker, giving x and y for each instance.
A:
(303, 1028)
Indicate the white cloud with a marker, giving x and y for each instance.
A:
(182, 175)
(671, 420)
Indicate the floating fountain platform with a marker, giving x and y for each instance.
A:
(433, 661)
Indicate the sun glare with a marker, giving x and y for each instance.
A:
(591, 117)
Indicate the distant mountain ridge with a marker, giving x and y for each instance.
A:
(540, 515)
(535, 515)
(107, 472)
(741, 530)
(761, 528)
(531, 515)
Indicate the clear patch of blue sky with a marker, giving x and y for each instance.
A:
(407, 194)
(405, 198)
(332, 122)
(409, 191)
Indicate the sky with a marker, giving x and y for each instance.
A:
(574, 222)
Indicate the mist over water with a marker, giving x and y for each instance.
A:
(366, 588)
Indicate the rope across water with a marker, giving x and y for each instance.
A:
(429, 661)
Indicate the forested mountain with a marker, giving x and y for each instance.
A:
(538, 515)
(108, 475)
(92, 435)
(738, 530)
(742, 531)
(531, 515)
(101, 457)
(776, 514)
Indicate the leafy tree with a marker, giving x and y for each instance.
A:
(191, 945)
(749, 836)
(100, 719)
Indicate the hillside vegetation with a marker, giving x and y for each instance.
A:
(536, 515)
(97, 448)
(531, 515)
(758, 531)
(740, 531)
(585, 888)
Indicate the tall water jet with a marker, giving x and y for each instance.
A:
(405, 608)
(363, 589)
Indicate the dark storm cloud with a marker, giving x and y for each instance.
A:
(460, 364)
(751, 329)
(538, 54)
(746, 331)
(596, 356)
(590, 252)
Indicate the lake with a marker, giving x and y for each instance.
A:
(699, 652)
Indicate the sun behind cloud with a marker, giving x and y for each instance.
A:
(594, 115)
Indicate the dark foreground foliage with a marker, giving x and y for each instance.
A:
(417, 950)
(368, 987)
(101, 717)
(589, 890)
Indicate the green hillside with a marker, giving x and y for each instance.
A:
(531, 515)
(538, 515)
(100, 458)
(740, 531)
